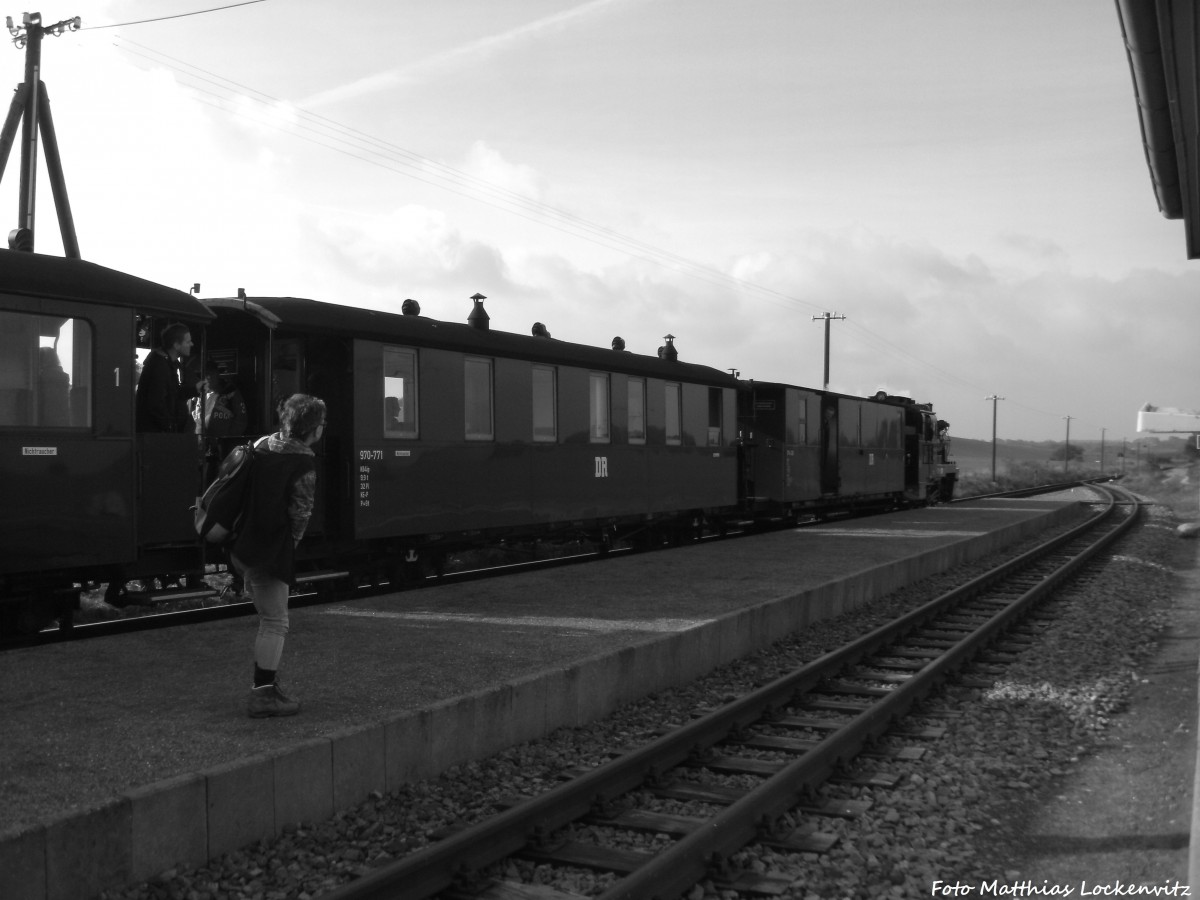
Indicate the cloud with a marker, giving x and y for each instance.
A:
(1036, 248)
(488, 165)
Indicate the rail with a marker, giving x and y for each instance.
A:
(528, 827)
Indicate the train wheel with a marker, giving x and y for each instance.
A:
(115, 594)
(404, 573)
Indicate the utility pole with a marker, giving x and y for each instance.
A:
(31, 107)
(1067, 446)
(828, 317)
(1103, 431)
(993, 398)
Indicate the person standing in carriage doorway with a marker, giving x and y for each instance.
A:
(161, 403)
(218, 411)
(278, 506)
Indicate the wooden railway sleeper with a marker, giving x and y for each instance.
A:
(888, 677)
(904, 651)
(590, 856)
(899, 664)
(649, 822)
(920, 640)
(841, 686)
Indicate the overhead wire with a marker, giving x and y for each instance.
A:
(223, 93)
(439, 174)
(198, 12)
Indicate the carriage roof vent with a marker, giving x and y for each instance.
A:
(410, 307)
(21, 239)
(668, 351)
(479, 317)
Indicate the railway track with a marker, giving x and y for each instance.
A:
(784, 740)
(315, 588)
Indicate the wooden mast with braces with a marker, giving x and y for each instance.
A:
(31, 107)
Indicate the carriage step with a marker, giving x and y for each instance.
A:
(167, 595)
(327, 575)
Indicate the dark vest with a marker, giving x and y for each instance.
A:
(266, 537)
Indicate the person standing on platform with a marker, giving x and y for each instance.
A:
(279, 504)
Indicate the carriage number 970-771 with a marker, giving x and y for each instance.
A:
(370, 454)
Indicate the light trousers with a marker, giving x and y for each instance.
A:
(270, 596)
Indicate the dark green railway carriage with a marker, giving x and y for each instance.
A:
(807, 451)
(83, 493)
(446, 434)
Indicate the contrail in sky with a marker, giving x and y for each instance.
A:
(425, 69)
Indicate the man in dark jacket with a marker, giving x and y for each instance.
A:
(278, 507)
(161, 403)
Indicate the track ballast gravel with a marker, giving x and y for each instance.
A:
(1002, 746)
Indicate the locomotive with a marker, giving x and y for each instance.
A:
(440, 436)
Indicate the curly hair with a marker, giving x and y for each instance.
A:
(300, 416)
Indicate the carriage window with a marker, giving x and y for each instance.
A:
(637, 411)
(800, 406)
(545, 427)
(399, 392)
(850, 426)
(46, 371)
(598, 407)
(477, 399)
(674, 414)
(714, 417)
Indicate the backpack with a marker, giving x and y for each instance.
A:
(219, 512)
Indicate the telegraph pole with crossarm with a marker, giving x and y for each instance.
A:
(828, 317)
(31, 107)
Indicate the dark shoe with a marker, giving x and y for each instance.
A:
(268, 701)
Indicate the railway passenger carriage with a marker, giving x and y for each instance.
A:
(441, 436)
(440, 432)
(81, 492)
(807, 451)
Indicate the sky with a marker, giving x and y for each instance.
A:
(963, 182)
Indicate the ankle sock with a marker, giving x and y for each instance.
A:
(263, 677)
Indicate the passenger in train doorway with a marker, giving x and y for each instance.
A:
(218, 411)
(228, 417)
(161, 403)
(278, 508)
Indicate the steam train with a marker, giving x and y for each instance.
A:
(440, 436)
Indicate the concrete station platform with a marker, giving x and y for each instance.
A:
(121, 757)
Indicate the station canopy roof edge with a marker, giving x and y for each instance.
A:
(1161, 40)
